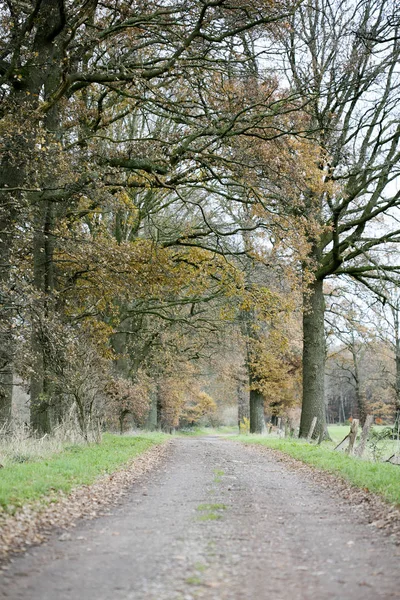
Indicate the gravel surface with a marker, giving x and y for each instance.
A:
(218, 521)
(34, 522)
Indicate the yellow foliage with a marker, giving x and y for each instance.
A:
(244, 426)
(201, 405)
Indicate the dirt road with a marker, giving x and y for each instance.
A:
(216, 521)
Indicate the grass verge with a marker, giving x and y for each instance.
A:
(206, 430)
(379, 478)
(76, 465)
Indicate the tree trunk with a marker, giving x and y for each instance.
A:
(343, 420)
(122, 418)
(362, 407)
(39, 75)
(243, 403)
(364, 435)
(159, 408)
(43, 279)
(257, 421)
(352, 436)
(82, 418)
(12, 168)
(6, 351)
(6, 338)
(44, 222)
(40, 407)
(360, 395)
(397, 359)
(40, 391)
(151, 421)
(313, 362)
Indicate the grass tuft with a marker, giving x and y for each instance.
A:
(193, 580)
(211, 512)
(205, 507)
(211, 516)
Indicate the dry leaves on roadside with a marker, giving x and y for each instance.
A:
(33, 523)
(372, 507)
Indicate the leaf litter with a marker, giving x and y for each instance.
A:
(33, 523)
(378, 513)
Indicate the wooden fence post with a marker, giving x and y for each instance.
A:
(359, 451)
(352, 436)
(312, 427)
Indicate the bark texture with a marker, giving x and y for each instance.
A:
(257, 421)
(243, 402)
(11, 176)
(152, 417)
(313, 362)
(41, 393)
(396, 320)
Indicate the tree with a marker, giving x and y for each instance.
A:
(200, 407)
(126, 399)
(264, 314)
(71, 72)
(346, 326)
(342, 59)
(386, 315)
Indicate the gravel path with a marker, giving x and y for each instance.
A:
(217, 521)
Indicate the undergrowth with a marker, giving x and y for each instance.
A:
(21, 446)
(26, 481)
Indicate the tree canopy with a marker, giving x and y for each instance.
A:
(174, 172)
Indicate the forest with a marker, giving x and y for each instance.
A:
(199, 213)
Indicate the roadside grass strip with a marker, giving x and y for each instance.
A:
(74, 466)
(379, 478)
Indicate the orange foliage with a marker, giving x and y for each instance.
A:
(125, 398)
(199, 406)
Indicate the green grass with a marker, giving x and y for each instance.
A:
(76, 465)
(338, 432)
(211, 516)
(383, 448)
(230, 429)
(218, 474)
(210, 511)
(191, 432)
(205, 507)
(380, 478)
(206, 430)
(193, 580)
